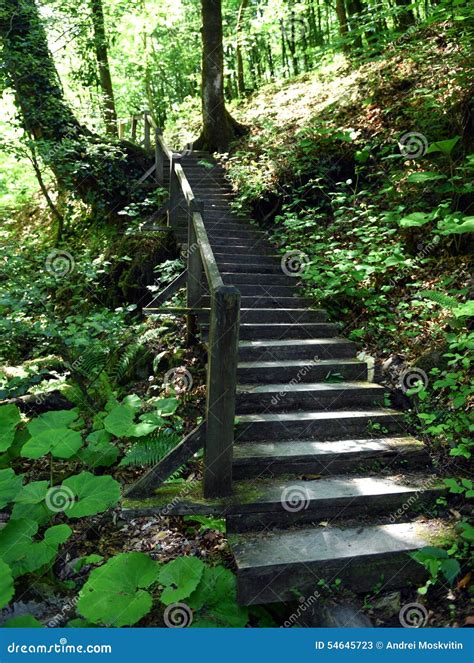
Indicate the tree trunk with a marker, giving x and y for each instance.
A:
(343, 29)
(238, 50)
(100, 45)
(99, 171)
(219, 128)
(354, 8)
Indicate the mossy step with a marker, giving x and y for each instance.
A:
(279, 330)
(272, 566)
(255, 459)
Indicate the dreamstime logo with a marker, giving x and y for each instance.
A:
(295, 28)
(295, 498)
(179, 379)
(413, 380)
(413, 615)
(294, 263)
(413, 145)
(59, 263)
(178, 615)
(59, 498)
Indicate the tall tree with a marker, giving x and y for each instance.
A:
(219, 128)
(94, 168)
(238, 49)
(101, 52)
(343, 28)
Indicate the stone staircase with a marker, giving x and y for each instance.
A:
(327, 482)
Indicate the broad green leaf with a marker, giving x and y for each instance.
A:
(465, 310)
(51, 421)
(37, 554)
(22, 621)
(115, 593)
(415, 220)
(88, 559)
(9, 420)
(166, 406)
(10, 485)
(180, 578)
(444, 146)
(216, 599)
(450, 568)
(6, 584)
(93, 494)
(453, 228)
(425, 177)
(99, 452)
(61, 442)
(32, 493)
(120, 422)
(15, 538)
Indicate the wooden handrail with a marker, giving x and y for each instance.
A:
(224, 313)
(150, 128)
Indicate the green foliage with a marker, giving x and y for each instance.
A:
(10, 484)
(9, 420)
(6, 584)
(115, 594)
(50, 434)
(180, 578)
(92, 494)
(150, 451)
(437, 562)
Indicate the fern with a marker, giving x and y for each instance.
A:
(439, 298)
(91, 361)
(121, 368)
(150, 451)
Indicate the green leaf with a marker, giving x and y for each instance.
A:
(51, 420)
(32, 493)
(9, 420)
(216, 599)
(15, 538)
(115, 593)
(10, 484)
(22, 621)
(425, 177)
(99, 452)
(444, 146)
(61, 442)
(450, 568)
(180, 578)
(415, 220)
(93, 494)
(6, 584)
(166, 406)
(41, 553)
(88, 559)
(120, 422)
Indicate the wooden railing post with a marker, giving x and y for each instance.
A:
(195, 272)
(221, 384)
(159, 157)
(133, 129)
(146, 130)
(121, 129)
(175, 193)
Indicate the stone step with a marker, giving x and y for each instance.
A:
(251, 269)
(286, 396)
(280, 330)
(260, 278)
(255, 459)
(299, 370)
(262, 248)
(234, 227)
(266, 290)
(277, 503)
(271, 565)
(335, 424)
(281, 315)
(312, 349)
(292, 303)
(246, 258)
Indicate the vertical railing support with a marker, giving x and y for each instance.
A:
(133, 130)
(195, 273)
(159, 158)
(221, 382)
(175, 193)
(146, 130)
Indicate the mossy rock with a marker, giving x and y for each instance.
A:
(134, 259)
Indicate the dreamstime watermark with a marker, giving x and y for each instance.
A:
(59, 498)
(294, 263)
(179, 379)
(305, 603)
(188, 488)
(178, 615)
(413, 144)
(414, 380)
(413, 615)
(299, 377)
(427, 483)
(295, 498)
(59, 263)
(63, 614)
